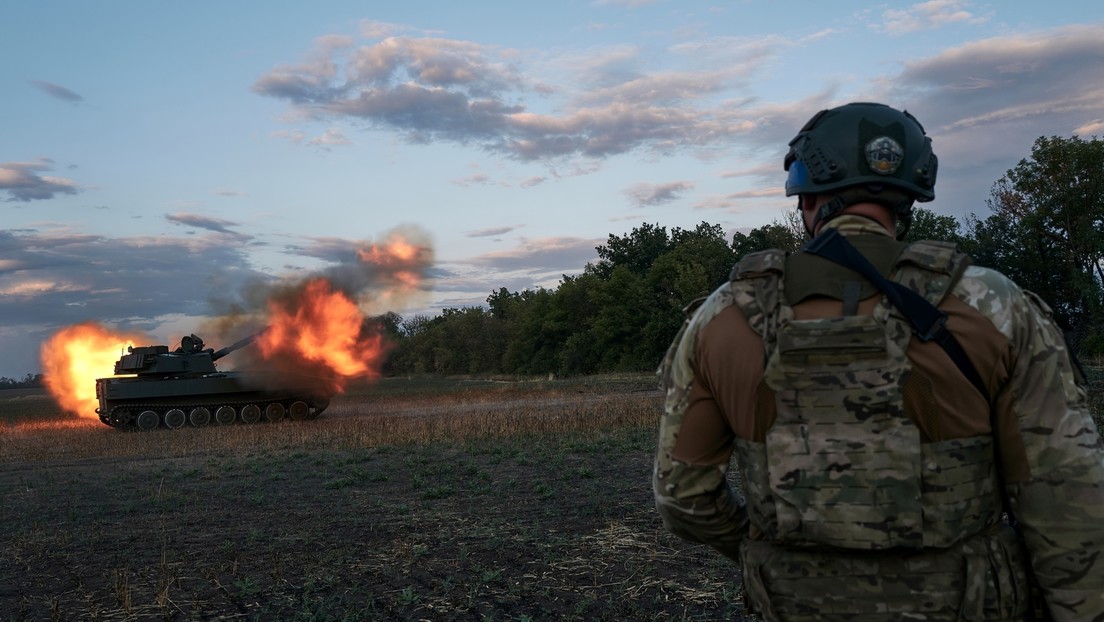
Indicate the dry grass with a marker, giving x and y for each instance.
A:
(470, 500)
(409, 500)
(398, 412)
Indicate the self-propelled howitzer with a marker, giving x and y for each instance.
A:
(154, 387)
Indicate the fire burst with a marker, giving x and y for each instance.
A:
(327, 329)
(402, 260)
(317, 334)
(74, 357)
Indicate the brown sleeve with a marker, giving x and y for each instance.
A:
(945, 405)
(722, 398)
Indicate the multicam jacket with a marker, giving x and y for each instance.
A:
(872, 494)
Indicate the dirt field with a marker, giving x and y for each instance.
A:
(446, 503)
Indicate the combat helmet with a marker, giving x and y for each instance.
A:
(863, 152)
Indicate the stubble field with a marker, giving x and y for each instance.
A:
(407, 500)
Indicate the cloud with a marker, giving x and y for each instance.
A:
(330, 249)
(1000, 79)
(22, 182)
(645, 194)
(737, 202)
(541, 256)
(765, 169)
(661, 88)
(984, 103)
(60, 92)
(210, 223)
(330, 138)
(432, 89)
(531, 264)
(928, 16)
(494, 232)
(62, 278)
(375, 29)
(1094, 127)
(478, 179)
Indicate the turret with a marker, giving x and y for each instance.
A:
(190, 358)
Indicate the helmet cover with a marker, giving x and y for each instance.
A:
(862, 144)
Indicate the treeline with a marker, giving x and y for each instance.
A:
(618, 315)
(1045, 231)
(30, 381)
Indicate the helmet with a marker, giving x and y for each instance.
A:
(863, 152)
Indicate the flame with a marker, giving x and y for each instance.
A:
(398, 258)
(323, 330)
(317, 331)
(74, 357)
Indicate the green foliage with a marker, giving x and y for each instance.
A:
(927, 225)
(636, 251)
(29, 381)
(787, 235)
(618, 315)
(1047, 232)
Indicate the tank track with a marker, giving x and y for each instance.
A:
(143, 416)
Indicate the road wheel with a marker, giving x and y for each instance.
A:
(225, 415)
(199, 417)
(175, 418)
(148, 420)
(299, 410)
(274, 411)
(251, 413)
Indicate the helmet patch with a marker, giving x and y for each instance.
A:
(884, 155)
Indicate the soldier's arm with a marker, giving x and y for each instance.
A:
(1060, 506)
(694, 500)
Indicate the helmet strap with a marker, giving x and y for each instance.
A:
(899, 203)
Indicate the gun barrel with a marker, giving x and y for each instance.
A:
(237, 345)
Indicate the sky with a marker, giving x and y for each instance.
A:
(156, 158)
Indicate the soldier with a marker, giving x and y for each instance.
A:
(911, 435)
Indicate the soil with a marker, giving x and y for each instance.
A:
(549, 527)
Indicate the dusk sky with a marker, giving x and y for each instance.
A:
(157, 158)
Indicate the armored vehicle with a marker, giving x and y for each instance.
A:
(154, 387)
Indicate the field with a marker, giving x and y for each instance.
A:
(408, 500)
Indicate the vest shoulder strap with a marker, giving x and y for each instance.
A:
(930, 268)
(759, 291)
(759, 264)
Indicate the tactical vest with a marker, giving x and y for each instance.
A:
(842, 490)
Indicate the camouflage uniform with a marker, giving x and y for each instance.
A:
(867, 458)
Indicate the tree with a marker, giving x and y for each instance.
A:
(1050, 210)
(615, 341)
(787, 234)
(503, 303)
(636, 251)
(698, 261)
(534, 339)
(927, 225)
(29, 381)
